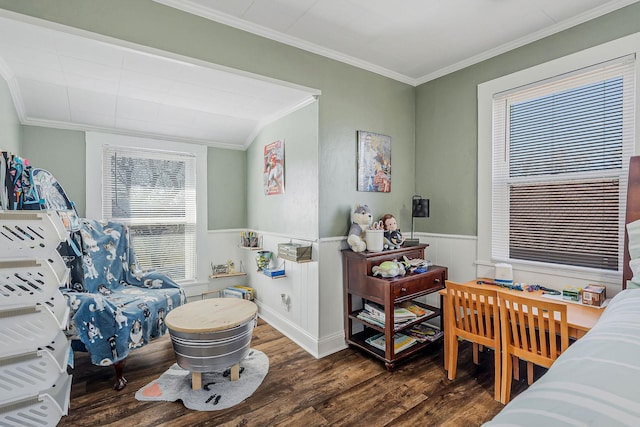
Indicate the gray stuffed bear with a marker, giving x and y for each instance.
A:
(361, 220)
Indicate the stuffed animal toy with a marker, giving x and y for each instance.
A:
(389, 269)
(392, 237)
(361, 219)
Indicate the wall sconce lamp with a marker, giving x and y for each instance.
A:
(419, 209)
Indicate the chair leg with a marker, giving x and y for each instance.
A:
(475, 353)
(453, 358)
(121, 381)
(507, 372)
(529, 373)
(498, 362)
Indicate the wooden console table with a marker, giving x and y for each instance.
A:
(360, 286)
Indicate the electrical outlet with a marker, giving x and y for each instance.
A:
(285, 301)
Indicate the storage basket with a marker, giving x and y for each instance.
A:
(29, 281)
(38, 370)
(28, 329)
(294, 252)
(43, 409)
(30, 234)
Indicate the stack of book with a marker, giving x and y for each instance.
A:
(423, 332)
(402, 313)
(400, 342)
(416, 309)
(238, 291)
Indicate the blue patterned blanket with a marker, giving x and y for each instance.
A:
(119, 306)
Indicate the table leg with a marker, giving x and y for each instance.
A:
(235, 372)
(196, 380)
(447, 338)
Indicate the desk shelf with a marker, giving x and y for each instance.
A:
(225, 275)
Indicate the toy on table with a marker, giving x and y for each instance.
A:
(392, 237)
(389, 269)
(416, 265)
(361, 219)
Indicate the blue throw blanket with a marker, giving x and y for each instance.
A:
(119, 307)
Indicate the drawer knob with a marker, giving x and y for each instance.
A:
(436, 280)
(403, 289)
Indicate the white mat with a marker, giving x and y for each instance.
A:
(218, 391)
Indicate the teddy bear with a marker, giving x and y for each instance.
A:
(361, 220)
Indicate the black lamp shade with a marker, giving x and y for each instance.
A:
(420, 207)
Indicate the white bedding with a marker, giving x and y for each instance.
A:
(595, 382)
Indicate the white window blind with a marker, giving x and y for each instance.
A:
(154, 192)
(561, 151)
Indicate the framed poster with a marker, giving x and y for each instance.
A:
(374, 162)
(274, 168)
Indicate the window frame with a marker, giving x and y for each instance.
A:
(524, 270)
(94, 147)
(187, 219)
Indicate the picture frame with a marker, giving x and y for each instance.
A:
(273, 171)
(374, 162)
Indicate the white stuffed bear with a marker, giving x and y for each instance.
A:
(361, 220)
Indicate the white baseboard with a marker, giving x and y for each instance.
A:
(290, 330)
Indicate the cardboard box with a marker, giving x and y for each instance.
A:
(294, 252)
(571, 293)
(594, 295)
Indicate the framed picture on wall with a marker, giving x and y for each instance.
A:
(374, 162)
(274, 168)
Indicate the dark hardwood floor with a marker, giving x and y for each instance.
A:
(347, 388)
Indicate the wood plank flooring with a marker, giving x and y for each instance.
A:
(347, 388)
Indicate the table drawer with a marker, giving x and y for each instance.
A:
(417, 284)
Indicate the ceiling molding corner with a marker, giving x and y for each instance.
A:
(259, 30)
(523, 41)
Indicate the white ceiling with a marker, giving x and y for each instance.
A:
(413, 41)
(67, 78)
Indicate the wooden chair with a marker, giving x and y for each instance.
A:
(472, 314)
(528, 334)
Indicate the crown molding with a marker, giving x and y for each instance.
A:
(57, 124)
(241, 24)
(530, 38)
(232, 21)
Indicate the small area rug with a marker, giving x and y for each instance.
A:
(218, 391)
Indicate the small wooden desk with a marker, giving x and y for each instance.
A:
(581, 318)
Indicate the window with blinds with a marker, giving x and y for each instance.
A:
(560, 165)
(154, 193)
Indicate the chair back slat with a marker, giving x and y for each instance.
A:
(535, 327)
(475, 313)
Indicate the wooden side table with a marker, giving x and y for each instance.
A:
(212, 334)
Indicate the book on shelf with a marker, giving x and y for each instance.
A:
(400, 342)
(364, 315)
(400, 314)
(424, 332)
(247, 290)
(242, 292)
(419, 311)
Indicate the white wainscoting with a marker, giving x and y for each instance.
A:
(314, 318)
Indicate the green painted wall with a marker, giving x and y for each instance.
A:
(433, 127)
(295, 212)
(63, 153)
(351, 99)
(10, 129)
(226, 188)
(446, 124)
